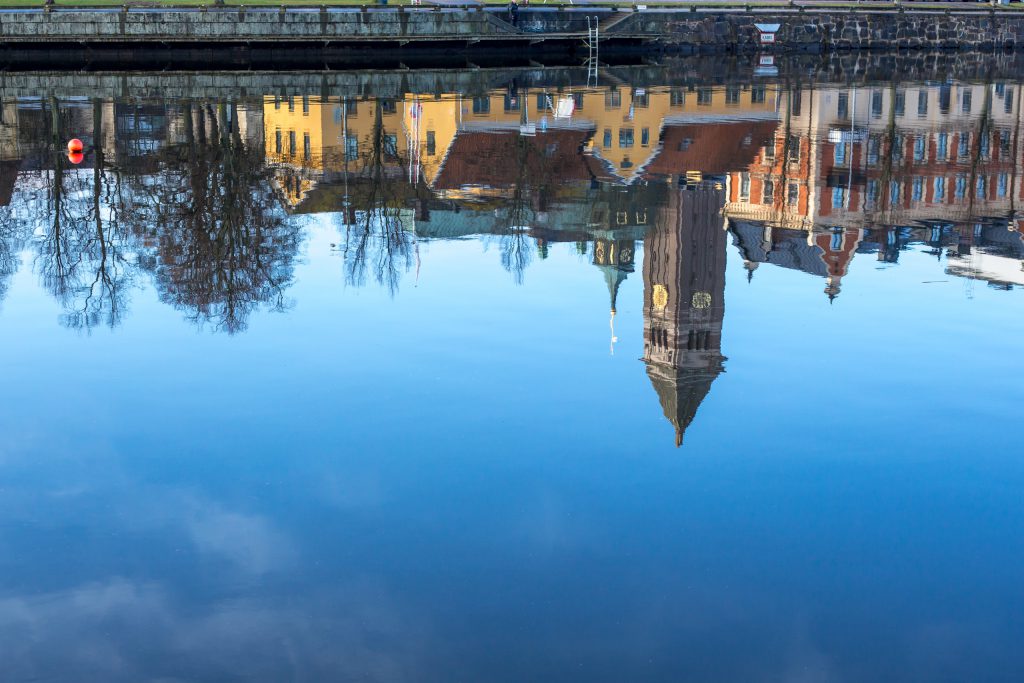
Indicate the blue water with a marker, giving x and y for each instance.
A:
(462, 477)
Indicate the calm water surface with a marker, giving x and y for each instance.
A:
(604, 383)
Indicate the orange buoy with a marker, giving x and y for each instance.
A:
(75, 145)
(75, 157)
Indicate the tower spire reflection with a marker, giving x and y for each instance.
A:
(684, 289)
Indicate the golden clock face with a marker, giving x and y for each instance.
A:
(700, 300)
(660, 297)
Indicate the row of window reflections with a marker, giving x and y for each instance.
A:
(513, 101)
(705, 97)
(350, 107)
(965, 101)
(943, 188)
(389, 145)
(696, 340)
(945, 143)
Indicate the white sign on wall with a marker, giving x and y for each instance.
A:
(768, 32)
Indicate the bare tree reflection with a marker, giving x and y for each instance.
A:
(13, 235)
(375, 242)
(83, 251)
(225, 246)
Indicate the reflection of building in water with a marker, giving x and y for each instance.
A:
(312, 140)
(825, 254)
(684, 290)
(10, 151)
(845, 160)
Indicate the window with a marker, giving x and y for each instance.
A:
(291, 142)
(641, 100)
(922, 103)
(542, 102)
(481, 105)
(645, 137)
(351, 107)
(577, 98)
(798, 99)
(277, 102)
(768, 192)
(981, 187)
(1001, 185)
(965, 106)
(942, 147)
(768, 152)
(874, 148)
(984, 147)
(351, 148)
(843, 106)
(306, 151)
(839, 154)
(1004, 142)
(876, 104)
(305, 105)
(900, 103)
(939, 190)
(511, 102)
(1008, 101)
(703, 97)
(945, 95)
(964, 147)
(757, 94)
(838, 197)
(431, 143)
(291, 104)
(606, 142)
(677, 97)
(872, 192)
(919, 148)
(960, 191)
(277, 141)
(732, 95)
(744, 187)
(625, 138)
(612, 99)
(894, 192)
(793, 150)
(836, 242)
(387, 106)
(917, 189)
(793, 193)
(391, 145)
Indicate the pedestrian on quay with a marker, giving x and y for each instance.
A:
(513, 13)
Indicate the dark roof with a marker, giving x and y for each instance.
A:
(505, 158)
(788, 249)
(711, 148)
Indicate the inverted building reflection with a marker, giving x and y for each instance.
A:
(207, 198)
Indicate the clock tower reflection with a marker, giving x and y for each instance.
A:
(684, 288)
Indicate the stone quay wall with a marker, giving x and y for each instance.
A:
(539, 27)
(809, 70)
(824, 31)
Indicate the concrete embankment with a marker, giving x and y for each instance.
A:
(539, 29)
